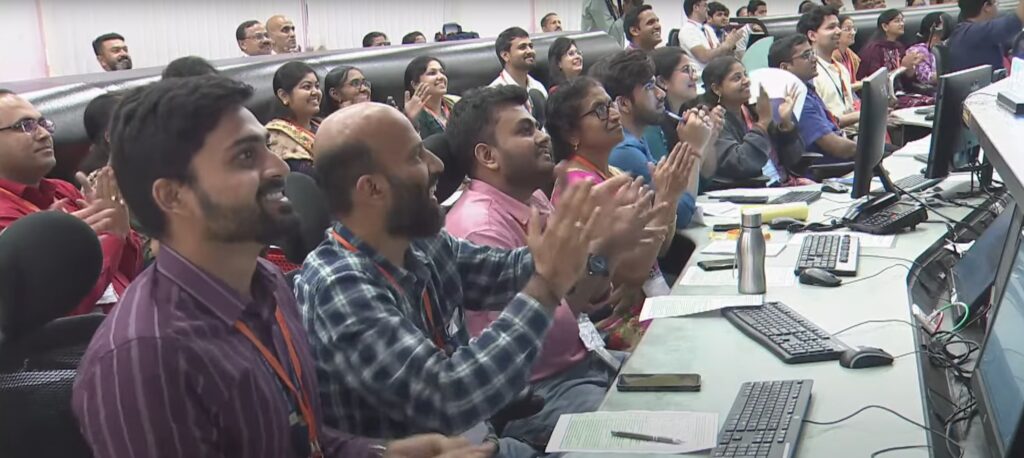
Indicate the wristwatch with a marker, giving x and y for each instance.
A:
(597, 266)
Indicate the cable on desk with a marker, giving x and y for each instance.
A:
(910, 353)
(895, 449)
(892, 258)
(872, 321)
(880, 272)
(933, 210)
(875, 406)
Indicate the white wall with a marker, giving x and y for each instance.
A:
(54, 37)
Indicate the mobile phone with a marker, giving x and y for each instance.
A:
(717, 264)
(725, 227)
(659, 382)
(744, 199)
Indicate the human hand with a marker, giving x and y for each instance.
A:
(911, 60)
(695, 129)
(733, 38)
(436, 446)
(414, 101)
(786, 108)
(628, 214)
(764, 110)
(103, 206)
(672, 174)
(560, 250)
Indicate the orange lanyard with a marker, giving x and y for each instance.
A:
(442, 117)
(589, 166)
(747, 118)
(300, 394)
(427, 305)
(25, 205)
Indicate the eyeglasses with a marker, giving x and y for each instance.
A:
(574, 53)
(806, 55)
(602, 111)
(259, 37)
(29, 126)
(650, 86)
(360, 82)
(689, 69)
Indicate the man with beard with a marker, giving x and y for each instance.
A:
(112, 52)
(26, 157)
(629, 81)
(833, 84)
(207, 355)
(253, 39)
(515, 52)
(551, 23)
(643, 29)
(509, 160)
(282, 34)
(384, 296)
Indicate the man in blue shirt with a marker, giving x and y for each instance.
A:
(818, 128)
(983, 36)
(629, 80)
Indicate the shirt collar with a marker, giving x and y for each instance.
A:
(531, 83)
(41, 196)
(516, 209)
(399, 272)
(213, 293)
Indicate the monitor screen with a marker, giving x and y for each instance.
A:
(874, 111)
(1001, 367)
(974, 273)
(953, 144)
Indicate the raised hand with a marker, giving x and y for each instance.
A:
(672, 174)
(436, 446)
(911, 60)
(786, 108)
(560, 250)
(695, 129)
(628, 215)
(414, 101)
(764, 110)
(104, 209)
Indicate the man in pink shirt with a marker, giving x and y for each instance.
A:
(509, 160)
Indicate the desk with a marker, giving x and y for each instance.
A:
(908, 117)
(725, 357)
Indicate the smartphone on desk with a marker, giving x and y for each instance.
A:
(717, 264)
(659, 382)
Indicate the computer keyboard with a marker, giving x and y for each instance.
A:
(836, 253)
(911, 183)
(785, 333)
(796, 196)
(765, 420)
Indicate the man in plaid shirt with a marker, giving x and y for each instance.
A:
(383, 296)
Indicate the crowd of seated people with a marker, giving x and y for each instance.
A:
(410, 329)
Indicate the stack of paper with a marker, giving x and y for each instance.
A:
(591, 432)
(674, 306)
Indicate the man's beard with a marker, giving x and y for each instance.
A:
(248, 223)
(124, 63)
(413, 214)
(648, 117)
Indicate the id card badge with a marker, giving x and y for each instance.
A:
(592, 340)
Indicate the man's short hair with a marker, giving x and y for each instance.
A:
(410, 37)
(715, 7)
(4, 92)
(971, 8)
(544, 20)
(688, 6)
(754, 5)
(339, 169)
(473, 119)
(97, 44)
(188, 66)
(158, 129)
(632, 19)
(98, 114)
(814, 19)
(368, 38)
(240, 31)
(782, 49)
(625, 71)
(504, 41)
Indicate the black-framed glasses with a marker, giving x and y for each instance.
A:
(360, 82)
(29, 126)
(602, 111)
(806, 55)
(689, 69)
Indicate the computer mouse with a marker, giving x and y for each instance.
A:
(819, 277)
(862, 357)
(783, 223)
(835, 188)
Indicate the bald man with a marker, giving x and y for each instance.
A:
(387, 271)
(282, 34)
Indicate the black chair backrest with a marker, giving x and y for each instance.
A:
(673, 38)
(36, 419)
(314, 216)
(942, 60)
(470, 64)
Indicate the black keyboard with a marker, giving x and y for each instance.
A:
(911, 183)
(796, 196)
(838, 254)
(785, 333)
(765, 420)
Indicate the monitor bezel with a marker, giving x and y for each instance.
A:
(940, 166)
(866, 168)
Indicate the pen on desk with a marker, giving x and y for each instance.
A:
(646, 437)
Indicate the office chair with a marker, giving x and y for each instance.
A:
(39, 350)
(942, 59)
(673, 38)
(314, 217)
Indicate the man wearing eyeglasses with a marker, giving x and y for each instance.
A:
(253, 39)
(26, 156)
(833, 82)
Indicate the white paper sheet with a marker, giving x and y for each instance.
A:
(591, 432)
(728, 247)
(674, 306)
(720, 209)
(756, 192)
(774, 276)
(866, 240)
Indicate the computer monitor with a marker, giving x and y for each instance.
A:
(953, 144)
(974, 274)
(874, 111)
(998, 379)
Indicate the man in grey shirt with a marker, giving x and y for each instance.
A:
(606, 16)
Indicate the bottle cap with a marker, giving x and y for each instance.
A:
(751, 219)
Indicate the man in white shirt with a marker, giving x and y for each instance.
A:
(833, 84)
(698, 39)
(515, 52)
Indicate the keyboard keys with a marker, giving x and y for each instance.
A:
(761, 417)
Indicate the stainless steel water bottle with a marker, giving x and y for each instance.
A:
(750, 252)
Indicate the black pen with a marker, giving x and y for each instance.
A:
(646, 437)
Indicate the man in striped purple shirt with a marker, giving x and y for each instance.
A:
(206, 354)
